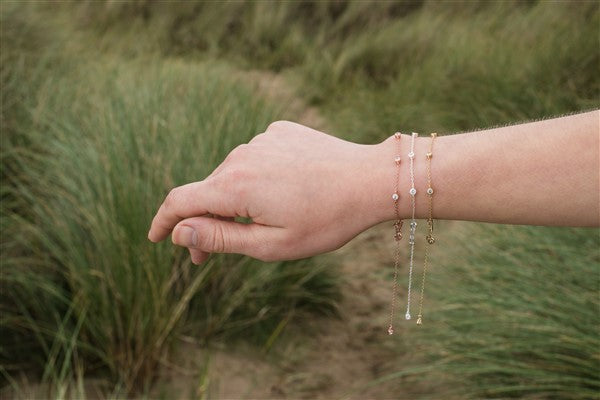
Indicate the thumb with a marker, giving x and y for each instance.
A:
(217, 236)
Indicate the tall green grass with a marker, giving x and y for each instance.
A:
(373, 67)
(90, 151)
(520, 318)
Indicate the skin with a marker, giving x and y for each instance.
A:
(308, 192)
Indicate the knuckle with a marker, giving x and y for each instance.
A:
(258, 138)
(214, 241)
(234, 177)
(218, 182)
(172, 197)
(237, 153)
(277, 125)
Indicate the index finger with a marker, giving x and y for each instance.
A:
(191, 200)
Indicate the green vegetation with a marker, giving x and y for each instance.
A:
(520, 317)
(521, 320)
(93, 148)
(107, 105)
(374, 66)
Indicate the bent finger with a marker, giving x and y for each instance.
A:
(212, 235)
(199, 256)
(193, 199)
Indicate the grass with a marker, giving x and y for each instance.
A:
(106, 106)
(519, 319)
(95, 149)
(372, 67)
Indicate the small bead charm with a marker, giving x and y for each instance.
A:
(412, 191)
(407, 316)
(430, 191)
(430, 239)
(395, 197)
(397, 135)
(411, 155)
(390, 330)
(397, 160)
(429, 155)
(419, 320)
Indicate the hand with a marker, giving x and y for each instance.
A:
(306, 193)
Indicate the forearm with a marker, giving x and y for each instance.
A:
(307, 192)
(540, 173)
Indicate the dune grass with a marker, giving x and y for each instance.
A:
(372, 67)
(93, 150)
(512, 312)
(522, 318)
(107, 105)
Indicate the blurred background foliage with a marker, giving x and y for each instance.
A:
(107, 105)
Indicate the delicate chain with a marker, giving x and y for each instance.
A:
(429, 238)
(397, 234)
(413, 222)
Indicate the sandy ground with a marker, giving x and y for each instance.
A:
(333, 358)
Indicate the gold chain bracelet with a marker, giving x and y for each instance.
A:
(429, 238)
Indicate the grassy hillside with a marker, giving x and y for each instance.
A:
(107, 105)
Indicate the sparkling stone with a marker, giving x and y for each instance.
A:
(430, 191)
(411, 155)
(412, 191)
(397, 135)
(398, 159)
(390, 330)
(395, 196)
(407, 316)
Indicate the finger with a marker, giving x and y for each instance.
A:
(194, 199)
(216, 236)
(198, 256)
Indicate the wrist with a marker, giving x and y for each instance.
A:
(384, 176)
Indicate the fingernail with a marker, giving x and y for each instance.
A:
(187, 237)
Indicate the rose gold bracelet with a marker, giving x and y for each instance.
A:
(397, 234)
